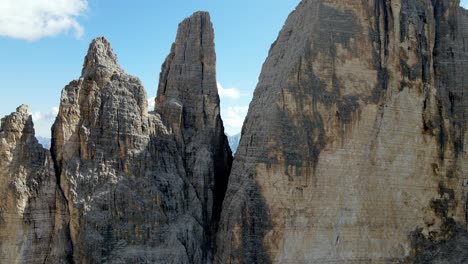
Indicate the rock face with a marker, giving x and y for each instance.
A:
(353, 149)
(144, 187)
(32, 214)
(189, 104)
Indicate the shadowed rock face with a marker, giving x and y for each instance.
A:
(31, 210)
(189, 104)
(144, 187)
(353, 147)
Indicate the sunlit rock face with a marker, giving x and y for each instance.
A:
(32, 212)
(144, 187)
(353, 149)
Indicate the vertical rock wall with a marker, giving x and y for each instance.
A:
(353, 147)
(32, 213)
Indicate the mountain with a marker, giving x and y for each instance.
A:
(128, 185)
(44, 141)
(353, 148)
(32, 209)
(233, 141)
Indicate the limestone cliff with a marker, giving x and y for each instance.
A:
(32, 214)
(353, 149)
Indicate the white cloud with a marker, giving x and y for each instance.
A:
(232, 93)
(233, 118)
(35, 19)
(43, 121)
(151, 101)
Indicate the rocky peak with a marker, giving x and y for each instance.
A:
(28, 195)
(18, 123)
(188, 102)
(22, 109)
(119, 166)
(100, 55)
(188, 76)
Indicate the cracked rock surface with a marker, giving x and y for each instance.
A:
(143, 187)
(32, 214)
(354, 146)
(121, 185)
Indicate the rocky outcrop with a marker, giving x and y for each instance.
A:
(143, 187)
(353, 149)
(32, 214)
(189, 104)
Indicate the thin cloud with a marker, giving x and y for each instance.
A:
(151, 102)
(233, 118)
(231, 93)
(43, 121)
(34, 19)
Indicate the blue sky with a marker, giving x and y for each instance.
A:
(43, 43)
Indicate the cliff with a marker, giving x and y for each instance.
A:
(353, 149)
(31, 213)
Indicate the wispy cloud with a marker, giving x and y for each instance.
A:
(231, 93)
(233, 118)
(151, 102)
(38, 116)
(35, 19)
(43, 121)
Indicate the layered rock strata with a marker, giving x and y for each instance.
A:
(353, 149)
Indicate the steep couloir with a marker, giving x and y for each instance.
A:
(354, 146)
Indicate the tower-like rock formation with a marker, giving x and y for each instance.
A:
(32, 214)
(353, 149)
(142, 187)
(188, 102)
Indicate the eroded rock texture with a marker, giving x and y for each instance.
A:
(142, 187)
(353, 150)
(32, 212)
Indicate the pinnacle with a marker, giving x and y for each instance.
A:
(23, 109)
(100, 54)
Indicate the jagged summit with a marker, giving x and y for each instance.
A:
(18, 123)
(190, 66)
(27, 194)
(100, 55)
(110, 153)
(22, 109)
